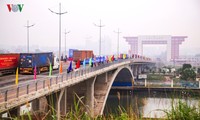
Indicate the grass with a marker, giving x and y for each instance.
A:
(180, 110)
(183, 111)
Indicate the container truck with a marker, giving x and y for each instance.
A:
(82, 54)
(28, 62)
(9, 63)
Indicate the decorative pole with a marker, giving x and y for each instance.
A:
(28, 26)
(100, 26)
(59, 13)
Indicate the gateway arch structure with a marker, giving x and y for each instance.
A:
(172, 42)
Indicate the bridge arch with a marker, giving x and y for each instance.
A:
(111, 77)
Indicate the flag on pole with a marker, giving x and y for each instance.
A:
(107, 59)
(69, 69)
(124, 56)
(84, 63)
(110, 58)
(60, 68)
(113, 58)
(16, 80)
(78, 64)
(35, 72)
(90, 62)
(50, 70)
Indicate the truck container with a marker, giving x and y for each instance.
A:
(82, 54)
(9, 63)
(28, 61)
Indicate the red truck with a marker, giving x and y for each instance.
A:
(9, 63)
(82, 54)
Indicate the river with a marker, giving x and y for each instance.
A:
(148, 104)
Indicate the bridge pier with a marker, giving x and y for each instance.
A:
(40, 104)
(75, 93)
(58, 103)
(52, 102)
(90, 96)
(64, 103)
(36, 105)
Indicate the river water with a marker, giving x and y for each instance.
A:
(148, 104)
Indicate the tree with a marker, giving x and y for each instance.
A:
(187, 72)
(186, 66)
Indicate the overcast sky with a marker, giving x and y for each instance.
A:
(132, 17)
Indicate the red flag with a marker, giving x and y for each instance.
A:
(78, 64)
(113, 58)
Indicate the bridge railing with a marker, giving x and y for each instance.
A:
(15, 91)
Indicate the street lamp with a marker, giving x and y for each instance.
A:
(59, 13)
(65, 39)
(28, 26)
(118, 41)
(100, 26)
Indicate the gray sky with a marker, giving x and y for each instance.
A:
(132, 17)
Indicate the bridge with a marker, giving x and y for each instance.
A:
(59, 92)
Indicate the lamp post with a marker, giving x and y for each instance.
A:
(59, 13)
(65, 39)
(118, 41)
(100, 26)
(28, 26)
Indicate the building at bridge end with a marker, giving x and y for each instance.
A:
(173, 42)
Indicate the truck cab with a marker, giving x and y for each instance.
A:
(56, 63)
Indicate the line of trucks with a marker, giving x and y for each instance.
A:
(27, 62)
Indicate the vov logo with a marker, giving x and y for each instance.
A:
(15, 7)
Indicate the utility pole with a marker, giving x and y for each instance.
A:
(118, 41)
(65, 40)
(100, 26)
(28, 26)
(59, 13)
